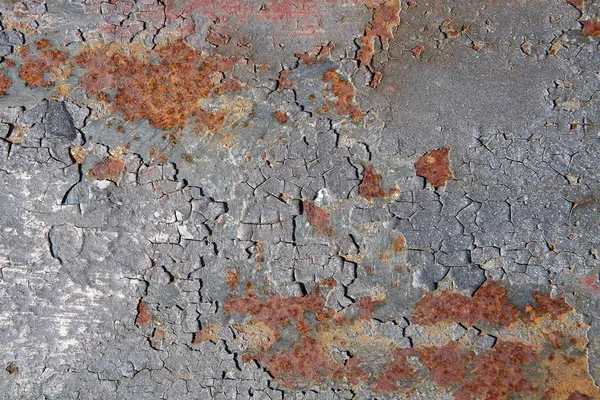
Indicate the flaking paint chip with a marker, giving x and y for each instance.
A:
(435, 167)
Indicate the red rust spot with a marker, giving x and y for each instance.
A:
(51, 64)
(450, 32)
(280, 116)
(396, 371)
(498, 373)
(376, 79)
(578, 4)
(591, 27)
(318, 218)
(399, 244)
(166, 91)
(435, 167)
(217, 39)
(489, 304)
(111, 168)
(43, 44)
(308, 361)
(143, 316)
(386, 18)
(282, 81)
(370, 187)
(366, 307)
(447, 364)
(158, 336)
(343, 90)
(232, 278)
(329, 282)
(416, 51)
(5, 84)
(207, 333)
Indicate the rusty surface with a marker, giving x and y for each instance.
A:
(435, 167)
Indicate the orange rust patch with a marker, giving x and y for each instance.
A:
(435, 167)
(280, 116)
(416, 51)
(309, 361)
(45, 68)
(43, 44)
(158, 336)
(164, 86)
(449, 31)
(366, 307)
(396, 371)
(376, 79)
(111, 168)
(207, 333)
(232, 278)
(578, 4)
(489, 304)
(386, 18)
(344, 92)
(318, 218)
(5, 84)
(370, 186)
(399, 244)
(282, 80)
(591, 27)
(143, 316)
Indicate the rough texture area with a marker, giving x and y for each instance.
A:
(286, 199)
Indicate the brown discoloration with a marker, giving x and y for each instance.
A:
(282, 80)
(396, 372)
(144, 316)
(78, 154)
(376, 79)
(578, 4)
(447, 364)
(309, 361)
(111, 168)
(591, 27)
(43, 44)
(386, 17)
(343, 90)
(232, 278)
(5, 84)
(370, 186)
(399, 244)
(416, 51)
(280, 116)
(489, 305)
(44, 69)
(167, 91)
(435, 167)
(158, 336)
(447, 29)
(207, 333)
(318, 218)
(12, 369)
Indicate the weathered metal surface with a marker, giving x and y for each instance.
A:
(299, 199)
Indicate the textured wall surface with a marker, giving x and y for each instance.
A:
(299, 199)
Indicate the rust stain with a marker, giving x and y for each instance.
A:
(370, 185)
(489, 304)
(578, 4)
(435, 167)
(111, 168)
(5, 84)
(143, 317)
(343, 90)
(591, 27)
(447, 29)
(158, 336)
(45, 68)
(399, 244)
(416, 51)
(376, 79)
(386, 17)
(12, 369)
(280, 116)
(318, 218)
(165, 86)
(540, 351)
(232, 278)
(207, 333)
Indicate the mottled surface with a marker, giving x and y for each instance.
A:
(288, 199)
